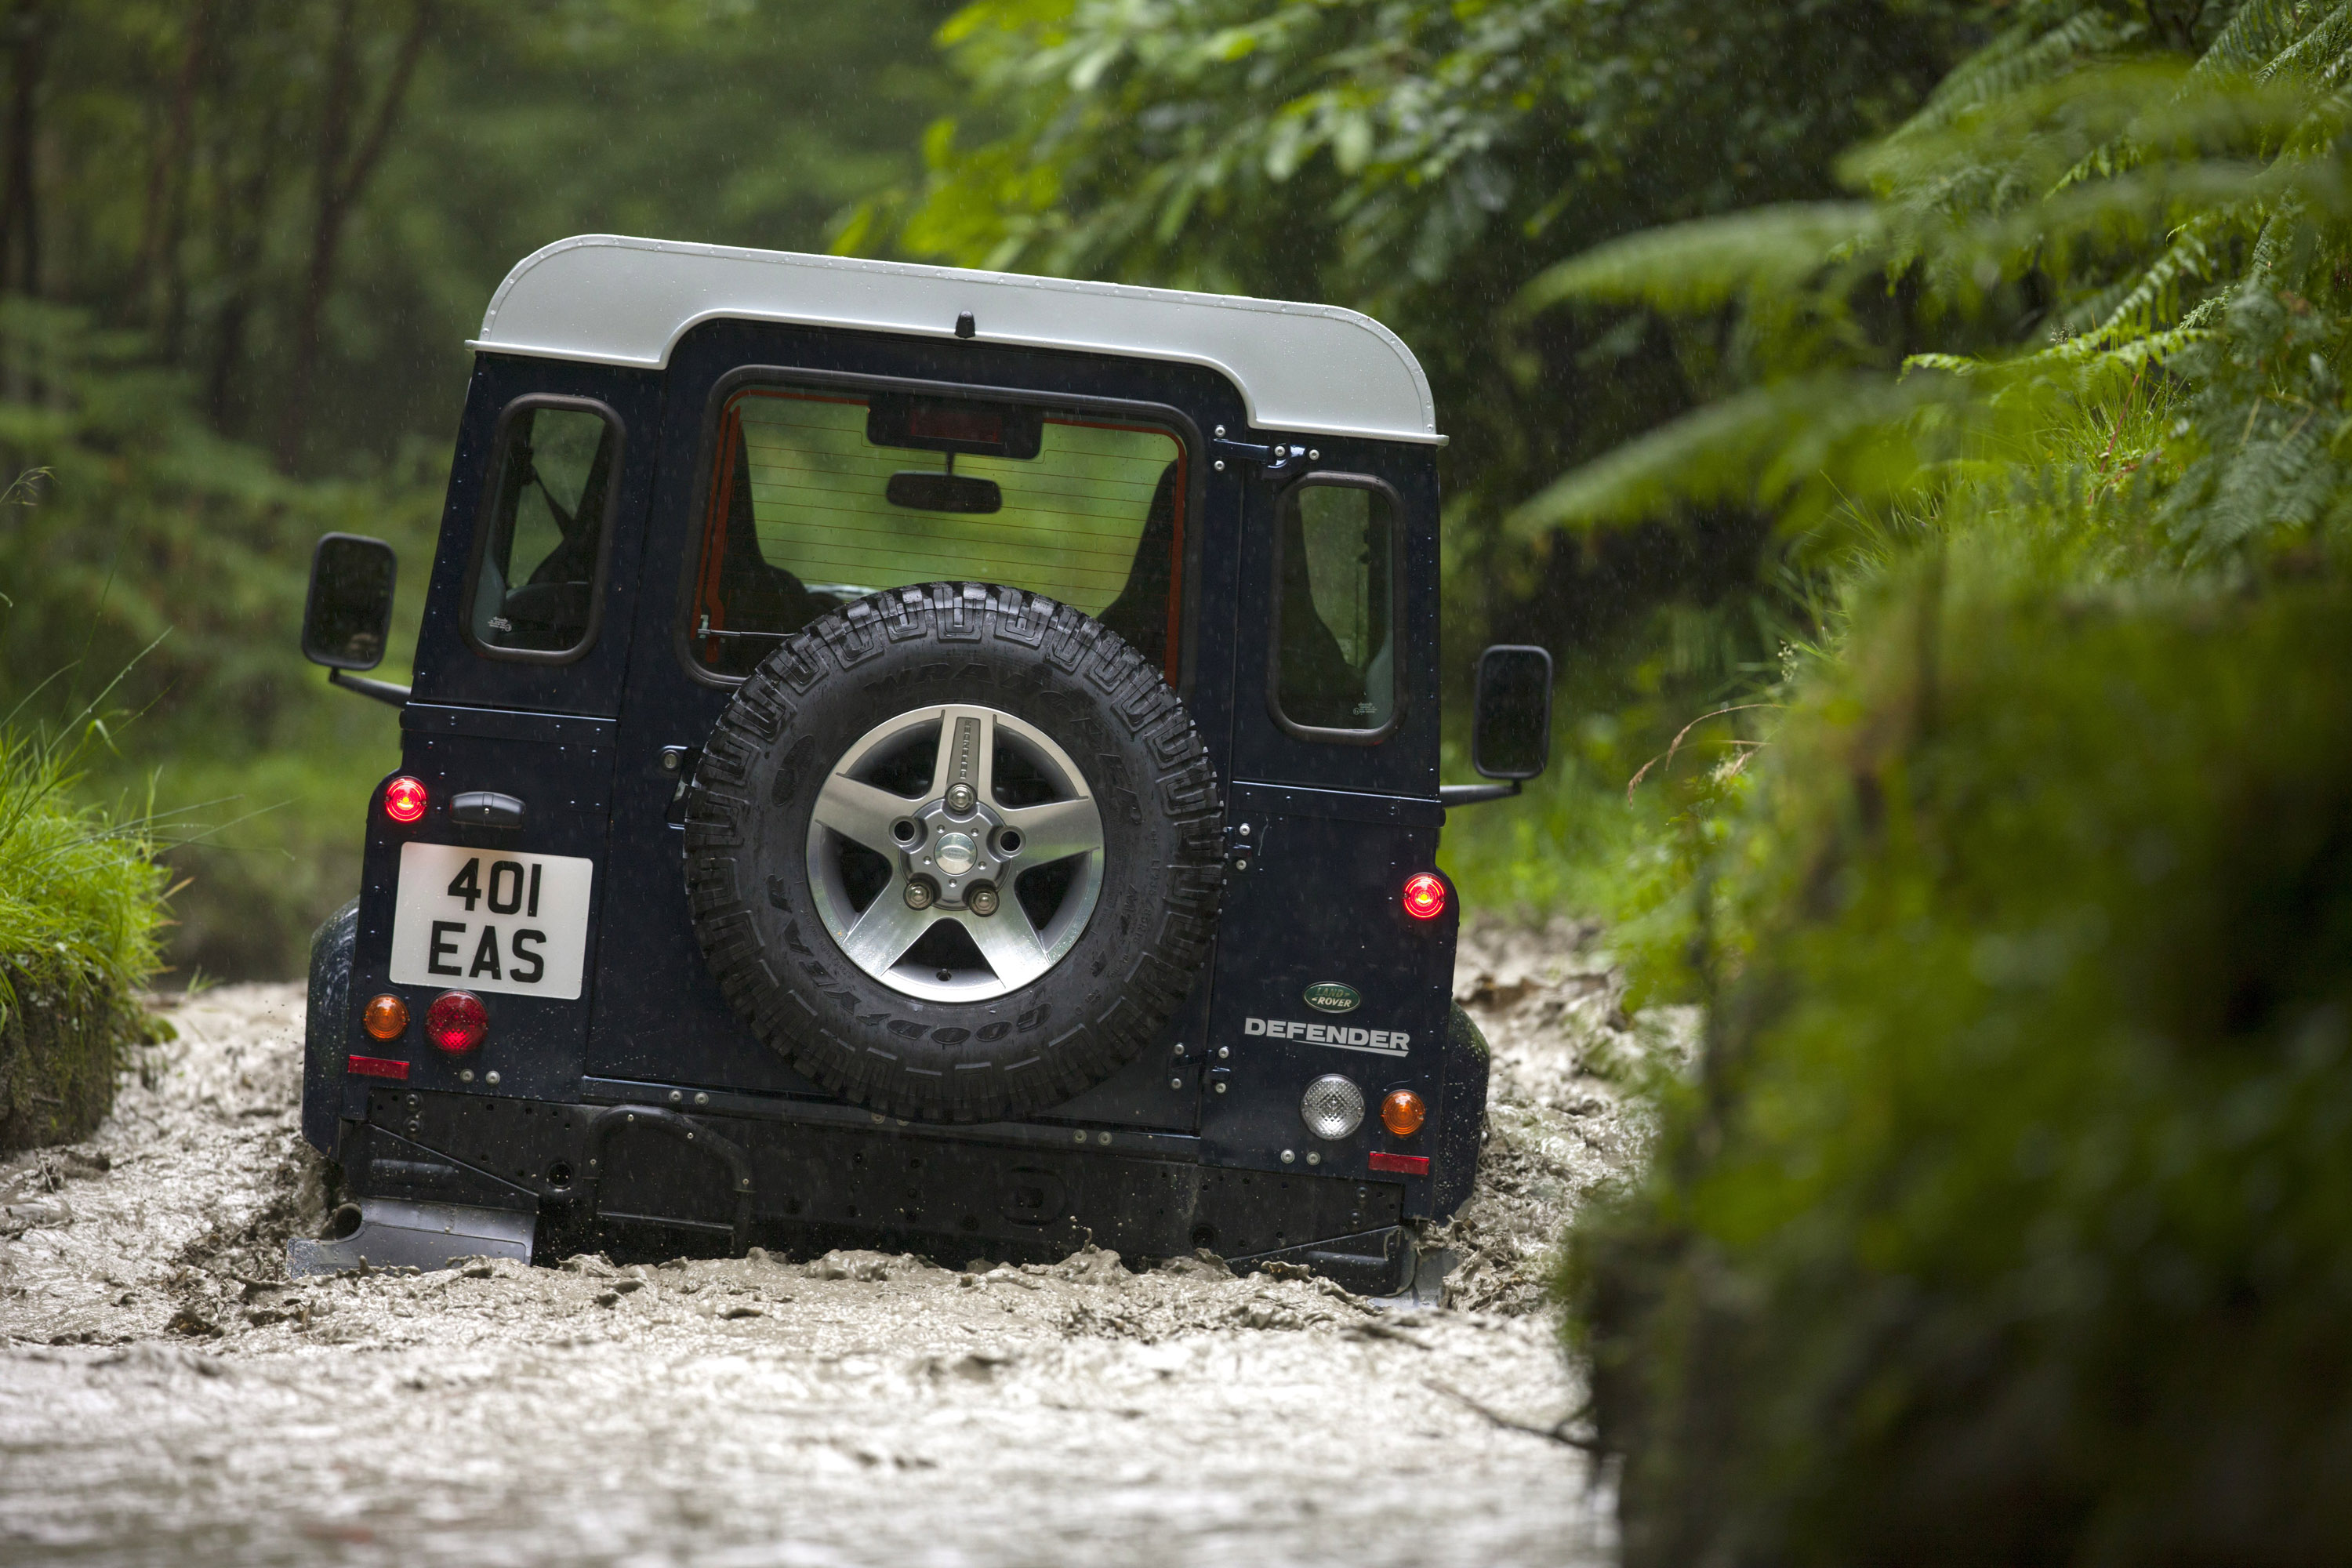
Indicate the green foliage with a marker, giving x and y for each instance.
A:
(161, 550)
(2079, 211)
(81, 899)
(2009, 1219)
(2004, 1221)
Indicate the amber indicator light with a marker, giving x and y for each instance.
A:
(386, 1016)
(1402, 1112)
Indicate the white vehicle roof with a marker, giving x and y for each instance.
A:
(1301, 369)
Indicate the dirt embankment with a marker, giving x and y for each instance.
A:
(166, 1396)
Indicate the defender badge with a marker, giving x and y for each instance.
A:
(1332, 996)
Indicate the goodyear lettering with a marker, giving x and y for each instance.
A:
(1344, 1037)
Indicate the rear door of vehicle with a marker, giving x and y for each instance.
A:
(449, 902)
(1333, 803)
(662, 1027)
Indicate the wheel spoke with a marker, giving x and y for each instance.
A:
(882, 935)
(1057, 829)
(963, 731)
(861, 813)
(1009, 943)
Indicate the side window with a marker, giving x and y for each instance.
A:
(1336, 609)
(539, 559)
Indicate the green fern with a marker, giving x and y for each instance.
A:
(2079, 184)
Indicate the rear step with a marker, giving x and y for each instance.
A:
(396, 1235)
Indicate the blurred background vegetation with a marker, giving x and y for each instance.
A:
(1918, 428)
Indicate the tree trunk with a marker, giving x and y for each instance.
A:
(340, 184)
(159, 284)
(240, 224)
(20, 225)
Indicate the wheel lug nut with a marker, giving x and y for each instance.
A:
(981, 899)
(961, 798)
(920, 894)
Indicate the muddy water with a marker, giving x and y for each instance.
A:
(166, 1396)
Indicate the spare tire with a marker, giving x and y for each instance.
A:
(955, 851)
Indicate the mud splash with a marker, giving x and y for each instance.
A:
(166, 1396)
(1564, 1114)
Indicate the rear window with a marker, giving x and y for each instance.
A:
(819, 497)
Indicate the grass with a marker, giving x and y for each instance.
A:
(81, 896)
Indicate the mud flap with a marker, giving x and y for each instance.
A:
(1374, 1263)
(396, 1234)
(1424, 1281)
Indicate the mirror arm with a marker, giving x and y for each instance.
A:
(1472, 794)
(382, 691)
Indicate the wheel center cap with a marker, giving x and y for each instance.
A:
(955, 853)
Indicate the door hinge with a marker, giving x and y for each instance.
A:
(1273, 460)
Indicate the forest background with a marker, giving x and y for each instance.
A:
(241, 247)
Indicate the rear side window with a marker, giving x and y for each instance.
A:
(819, 497)
(1336, 610)
(539, 565)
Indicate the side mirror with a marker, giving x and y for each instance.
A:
(1510, 735)
(348, 611)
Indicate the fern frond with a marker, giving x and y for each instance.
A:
(1852, 434)
(1708, 262)
(2319, 55)
(2032, 51)
(2257, 31)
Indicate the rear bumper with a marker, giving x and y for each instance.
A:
(651, 1179)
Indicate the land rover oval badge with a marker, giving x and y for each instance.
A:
(1332, 996)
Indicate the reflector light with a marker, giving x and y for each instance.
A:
(375, 1066)
(1397, 1164)
(457, 1021)
(1424, 896)
(404, 799)
(385, 1017)
(1402, 1112)
(1333, 1107)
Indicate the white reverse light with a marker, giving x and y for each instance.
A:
(1333, 1107)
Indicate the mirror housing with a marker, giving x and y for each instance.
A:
(1510, 735)
(348, 617)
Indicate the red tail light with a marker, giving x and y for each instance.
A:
(404, 799)
(1424, 896)
(457, 1022)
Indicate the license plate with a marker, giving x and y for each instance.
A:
(482, 920)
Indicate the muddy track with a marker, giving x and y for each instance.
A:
(166, 1396)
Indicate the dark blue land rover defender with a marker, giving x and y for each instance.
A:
(909, 758)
